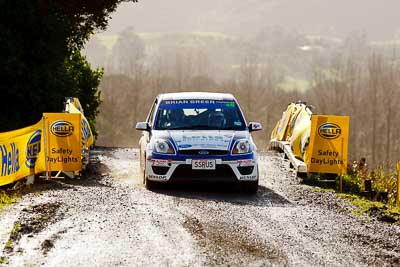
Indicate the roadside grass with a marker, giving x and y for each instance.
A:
(363, 205)
(7, 198)
(379, 203)
(3, 260)
(323, 190)
(384, 212)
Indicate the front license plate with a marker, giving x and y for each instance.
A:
(203, 164)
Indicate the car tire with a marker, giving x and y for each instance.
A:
(150, 185)
(250, 187)
(143, 168)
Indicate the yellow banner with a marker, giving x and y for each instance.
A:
(87, 135)
(62, 146)
(19, 152)
(328, 144)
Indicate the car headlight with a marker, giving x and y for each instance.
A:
(241, 147)
(163, 147)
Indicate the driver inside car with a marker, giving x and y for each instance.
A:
(175, 118)
(217, 120)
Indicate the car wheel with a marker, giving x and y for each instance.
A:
(250, 187)
(150, 185)
(143, 167)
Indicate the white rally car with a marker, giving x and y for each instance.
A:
(198, 137)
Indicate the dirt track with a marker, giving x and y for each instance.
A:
(109, 219)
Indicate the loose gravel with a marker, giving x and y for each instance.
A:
(108, 218)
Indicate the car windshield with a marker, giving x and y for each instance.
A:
(199, 115)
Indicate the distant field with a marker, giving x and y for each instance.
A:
(291, 83)
(109, 40)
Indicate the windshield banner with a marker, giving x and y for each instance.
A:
(200, 104)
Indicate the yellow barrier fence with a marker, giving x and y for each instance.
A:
(20, 149)
(320, 141)
(74, 106)
(55, 143)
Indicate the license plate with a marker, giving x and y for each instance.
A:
(203, 164)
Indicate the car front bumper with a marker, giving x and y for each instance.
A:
(169, 170)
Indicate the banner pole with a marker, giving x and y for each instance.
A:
(45, 147)
(398, 184)
(341, 169)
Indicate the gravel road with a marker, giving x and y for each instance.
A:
(109, 219)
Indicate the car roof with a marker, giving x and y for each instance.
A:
(195, 95)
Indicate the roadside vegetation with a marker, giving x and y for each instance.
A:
(372, 192)
(7, 198)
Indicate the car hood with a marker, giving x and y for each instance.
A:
(189, 139)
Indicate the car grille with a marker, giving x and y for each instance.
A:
(203, 152)
(222, 173)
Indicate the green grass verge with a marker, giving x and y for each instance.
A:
(384, 212)
(3, 260)
(323, 190)
(7, 199)
(363, 205)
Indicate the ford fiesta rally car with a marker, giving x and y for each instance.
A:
(198, 137)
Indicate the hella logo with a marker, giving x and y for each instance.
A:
(203, 152)
(329, 130)
(33, 149)
(62, 128)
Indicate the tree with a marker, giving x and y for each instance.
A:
(128, 53)
(96, 52)
(36, 38)
(86, 84)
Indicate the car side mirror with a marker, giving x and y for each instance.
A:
(142, 126)
(255, 126)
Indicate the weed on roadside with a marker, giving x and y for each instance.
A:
(3, 260)
(381, 211)
(323, 190)
(363, 205)
(7, 198)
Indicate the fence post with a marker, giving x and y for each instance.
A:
(45, 146)
(30, 180)
(398, 184)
